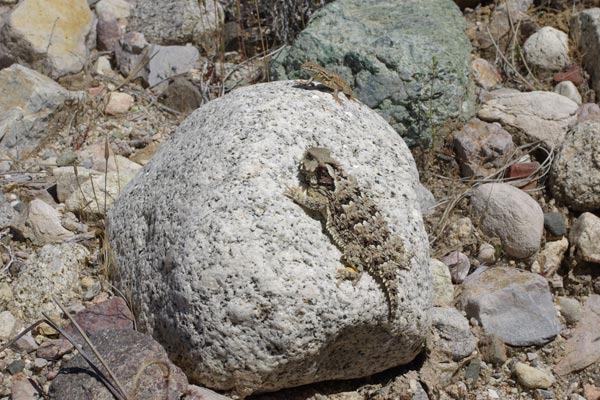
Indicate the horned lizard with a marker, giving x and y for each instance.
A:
(353, 221)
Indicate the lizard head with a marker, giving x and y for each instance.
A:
(319, 168)
(311, 66)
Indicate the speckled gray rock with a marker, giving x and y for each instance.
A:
(443, 290)
(585, 237)
(177, 22)
(585, 30)
(575, 173)
(515, 305)
(28, 100)
(548, 48)
(126, 352)
(230, 275)
(452, 333)
(511, 215)
(534, 116)
(52, 270)
(386, 50)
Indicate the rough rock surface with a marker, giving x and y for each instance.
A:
(585, 236)
(47, 35)
(229, 274)
(177, 22)
(387, 51)
(452, 333)
(45, 223)
(548, 48)
(443, 290)
(126, 351)
(575, 173)
(515, 305)
(544, 116)
(52, 271)
(511, 215)
(27, 100)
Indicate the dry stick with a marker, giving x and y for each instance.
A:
(529, 85)
(9, 250)
(515, 35)
(238, 66)
(101, 376)
(89, 343)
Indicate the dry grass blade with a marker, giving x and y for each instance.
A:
(517, 73)
(166, 375)
(89, 343)
(113, 390)
(497, 177)
(9, 250)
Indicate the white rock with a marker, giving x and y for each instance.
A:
(544, 116)
(103, 67)
(45, 223)
(551, 256)
(585, 236)
(487, 254)
(443, 290)
(7, 324)
(459, 265)
(119, 103)
(568, 89)
(511, 215)
(224, 267)
(52, 270)
(533, 378)
(548, 48)
(68, 182)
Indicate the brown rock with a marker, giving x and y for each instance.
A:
(583, 348)
(127, 352)
(493, 350)
(574, 73)
(21, 388)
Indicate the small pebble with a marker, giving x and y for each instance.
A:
(16, 366)
(532, 378)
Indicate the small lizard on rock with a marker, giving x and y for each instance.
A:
(328, 79)
(354, 223)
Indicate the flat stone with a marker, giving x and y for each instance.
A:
(28, 100)
(515, 305)
(549, 259)
(16, 366)
(45, 223)
(585, 236)
(227, 272)
(21, 388)
(54, 349)
(26, 344)
(575, 172)
(48, 35)
(125, 351)
(485, 74)
(511, 215)
(199, 393)
(548, 48)
(112, 9)
(544, 116)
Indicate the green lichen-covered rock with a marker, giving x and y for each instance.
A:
(407, 59)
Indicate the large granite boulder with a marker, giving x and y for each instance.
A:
(406, 59)
(236, 280)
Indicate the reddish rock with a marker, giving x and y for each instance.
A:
(110, 314)
(54, 349)
(574, 74)
(591, 392)
(485, 74)
(524, 174)
(127, 352)
(119, 103)
(96, 91)
(21, 388)
(583, 348)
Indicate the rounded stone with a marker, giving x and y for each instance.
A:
(548, 48)
(511, 215)
(228, 273)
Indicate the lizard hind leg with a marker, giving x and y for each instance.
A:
(348, 274)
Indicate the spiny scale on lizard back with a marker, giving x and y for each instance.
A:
(353, 221)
